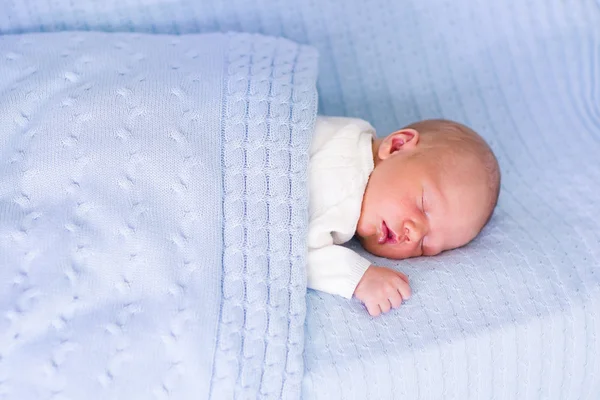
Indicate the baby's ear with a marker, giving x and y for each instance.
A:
(404, 139)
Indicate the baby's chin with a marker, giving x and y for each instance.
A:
(371, 245)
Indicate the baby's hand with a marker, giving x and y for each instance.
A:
(381, 289)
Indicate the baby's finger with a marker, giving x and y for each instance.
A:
(395, 299)
(373, 308)
(385, 306)
(404, 290)
(402, 276)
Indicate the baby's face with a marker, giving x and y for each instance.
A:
(415, 205)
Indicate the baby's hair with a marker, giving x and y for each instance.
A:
(471, 142)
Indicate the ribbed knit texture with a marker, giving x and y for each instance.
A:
(268, 117)
(153, 215)
(514, 315)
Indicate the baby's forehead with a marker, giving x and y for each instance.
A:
(442, 126)
(455, 149)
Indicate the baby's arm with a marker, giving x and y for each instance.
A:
(339, 270)
(335, 269)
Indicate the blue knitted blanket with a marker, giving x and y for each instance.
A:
(153, 208)
(513, 315)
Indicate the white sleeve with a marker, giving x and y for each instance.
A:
(335, 269)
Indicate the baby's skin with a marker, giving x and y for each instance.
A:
(434, 187)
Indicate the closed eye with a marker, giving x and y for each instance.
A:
(425, 214)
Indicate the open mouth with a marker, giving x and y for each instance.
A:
(386, 235)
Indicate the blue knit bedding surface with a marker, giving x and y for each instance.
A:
(513, 315)
(153, 208)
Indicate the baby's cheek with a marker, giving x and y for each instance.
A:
(364, 230)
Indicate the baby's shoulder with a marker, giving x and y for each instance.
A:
(337, 123)
(338, 132)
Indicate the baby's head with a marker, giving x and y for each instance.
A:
(434, 187)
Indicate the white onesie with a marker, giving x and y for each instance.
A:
(341, 160)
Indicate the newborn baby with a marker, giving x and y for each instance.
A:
(426, 188)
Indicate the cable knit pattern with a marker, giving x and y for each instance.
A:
(268, 116)
(514, 315)
(153, 215)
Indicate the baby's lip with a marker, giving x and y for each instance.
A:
(386, 235)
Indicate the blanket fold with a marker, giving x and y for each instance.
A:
(268, 117)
